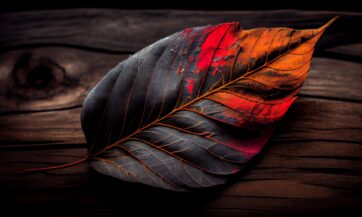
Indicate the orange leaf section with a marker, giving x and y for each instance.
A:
(285, 73)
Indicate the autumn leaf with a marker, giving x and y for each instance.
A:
(192, 109)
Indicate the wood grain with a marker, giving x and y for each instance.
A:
(79, 70)
(312, 165)
(304, 162)
(61, 122)
(125, 31)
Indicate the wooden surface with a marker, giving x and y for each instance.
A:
(312, 165)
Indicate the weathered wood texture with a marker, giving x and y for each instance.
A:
(124, 31)
(313, 164)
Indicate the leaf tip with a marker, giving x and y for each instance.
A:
(325, 26)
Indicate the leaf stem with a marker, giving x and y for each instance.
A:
(42, 169)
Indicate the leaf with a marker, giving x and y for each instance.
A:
(192, 109)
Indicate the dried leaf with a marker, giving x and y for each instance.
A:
(191, 109)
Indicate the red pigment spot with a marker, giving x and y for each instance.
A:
(221, 35)
(190, 85)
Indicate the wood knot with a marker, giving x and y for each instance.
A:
(36, 78)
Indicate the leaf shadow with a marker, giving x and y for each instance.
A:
(135, 198)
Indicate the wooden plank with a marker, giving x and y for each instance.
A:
(75, 71)
(348, 5)
(63, 127)
(314, 157)
(333, 78)
(348, 49)
(60, 118)
(128, 31)
(312, 165)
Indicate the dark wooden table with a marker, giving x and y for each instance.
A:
(49, 60)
